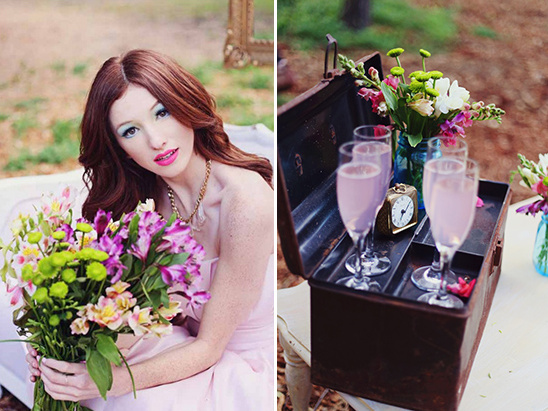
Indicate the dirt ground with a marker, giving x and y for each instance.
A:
(510, 70)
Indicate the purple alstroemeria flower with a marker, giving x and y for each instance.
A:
(196, 297)
(141, 248)
(172, 274)
(126, 219)
(151, 222)
(114, 248)
(100, 222)
(69, 233)
(174, 238)
(533, 208)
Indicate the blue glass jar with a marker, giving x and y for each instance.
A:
(540, 251)
(409, 163)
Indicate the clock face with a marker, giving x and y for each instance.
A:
(402, 211)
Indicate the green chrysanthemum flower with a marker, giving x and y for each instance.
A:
(40, 295)
(395, 52)
(84, 227)
(54, 320)
(96, 271)
(415, 86)
(423, 77)
(436, 74)
(35, 237)
(58, 289)
(57, 259)
(59, 235)
(424, 53)
(68, 275)
(432, 92)
(27, 273)
(415, 73)
(397, 71)
(46, 267)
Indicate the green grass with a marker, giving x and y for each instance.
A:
(206, 72)
(23, 124)
(4, 117)
(59, 67)
(396, 23)
(79, 69)
(30, 104)
(65, 145)
(484, 31)
(233, 100)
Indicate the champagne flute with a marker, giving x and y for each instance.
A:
(452, 185)
(428, 278)
(360, 183)
(379, 137)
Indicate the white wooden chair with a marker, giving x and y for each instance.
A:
(21, 193)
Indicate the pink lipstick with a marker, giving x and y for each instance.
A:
(167, 157)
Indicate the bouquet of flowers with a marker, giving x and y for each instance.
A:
(534, 176)
(79, 286)
(427, 106)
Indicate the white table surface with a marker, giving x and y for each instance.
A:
(510, 370)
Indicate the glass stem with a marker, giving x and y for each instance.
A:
(369, 246)
(361, 244)
(445, 261)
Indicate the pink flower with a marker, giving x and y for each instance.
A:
(540, 188)
(392, 81)
(79, 326)
(139, 320)
(479, 203)
(107, 314)
(462, 288)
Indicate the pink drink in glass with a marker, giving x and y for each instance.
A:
(452, 207)
(378, 153)
(357, 195)
(436, 169)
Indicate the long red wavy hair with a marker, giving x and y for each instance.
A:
(115, 182)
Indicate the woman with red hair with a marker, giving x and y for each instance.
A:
(150, 131)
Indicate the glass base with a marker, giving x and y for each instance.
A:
(425, 280)
(380, 265)
(447, 301)
(353, 282)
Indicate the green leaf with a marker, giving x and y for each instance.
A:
(179, 259)
(99, 370)
(107, 348)
(134, 226)
(158, 283)
(414, 139)
(389, 96)
(164, 297)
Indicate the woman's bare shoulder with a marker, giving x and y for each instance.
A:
(246, 198)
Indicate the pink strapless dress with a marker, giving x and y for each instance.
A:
(243, 379)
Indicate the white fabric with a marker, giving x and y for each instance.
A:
(20, 194)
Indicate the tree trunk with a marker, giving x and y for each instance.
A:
(356, 14)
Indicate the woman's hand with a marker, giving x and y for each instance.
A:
(67, 381)
(32, 359)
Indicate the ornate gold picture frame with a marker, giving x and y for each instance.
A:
(241, 48)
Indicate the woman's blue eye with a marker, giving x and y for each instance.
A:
(162, 112)
(130, 132)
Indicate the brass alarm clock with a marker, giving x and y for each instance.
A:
(399, 210)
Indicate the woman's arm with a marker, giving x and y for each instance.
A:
(246, 242)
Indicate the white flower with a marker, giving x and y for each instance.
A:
(383, 109)
(452, 97)
(148, 205)
(529, 176)
(422, 106)
(543, 163)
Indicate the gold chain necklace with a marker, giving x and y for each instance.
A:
(198, 201)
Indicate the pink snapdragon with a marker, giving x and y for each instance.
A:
(462, 288)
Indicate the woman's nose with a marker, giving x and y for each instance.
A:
(156, 139)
